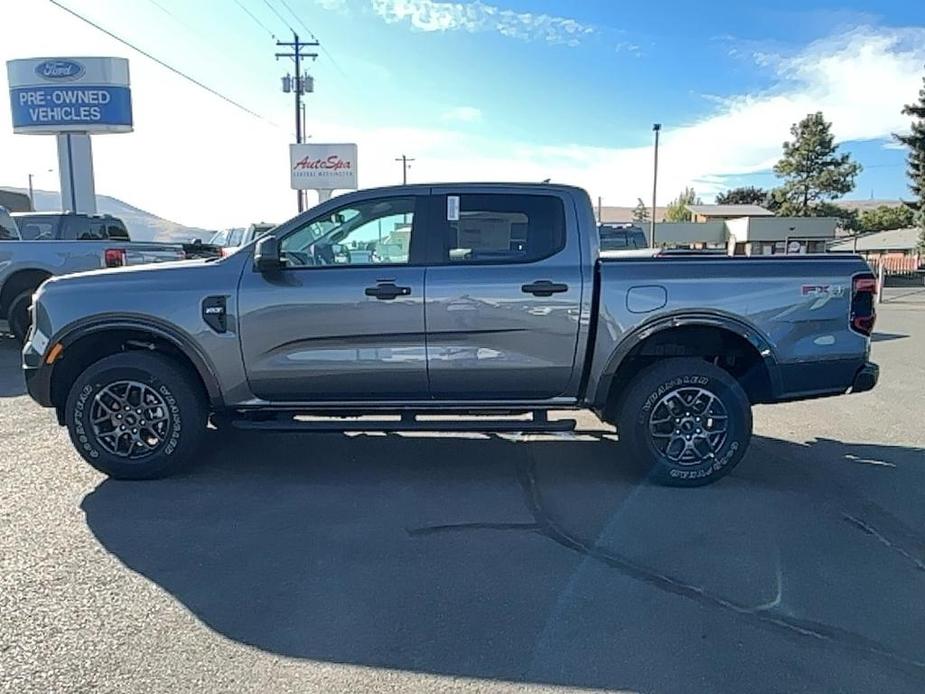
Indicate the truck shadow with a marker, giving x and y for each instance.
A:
(461, 556)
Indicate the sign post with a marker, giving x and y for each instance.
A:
(71, 98)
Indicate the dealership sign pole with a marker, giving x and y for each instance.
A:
(71, 98)
(324, 168)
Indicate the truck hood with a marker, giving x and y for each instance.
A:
(168, 272)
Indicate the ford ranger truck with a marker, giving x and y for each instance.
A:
(478, 299)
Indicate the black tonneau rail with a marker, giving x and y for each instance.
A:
(680, 255)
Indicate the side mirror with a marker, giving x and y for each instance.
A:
(266, 255)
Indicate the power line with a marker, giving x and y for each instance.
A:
(254, 17)
(162, 63)
(311, 33)
(299, 20)
(277, 13)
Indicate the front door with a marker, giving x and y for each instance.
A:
(344, 318)
(503, 296)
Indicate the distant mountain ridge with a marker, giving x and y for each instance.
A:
(142, 225)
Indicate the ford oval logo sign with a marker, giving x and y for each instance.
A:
(59, 70)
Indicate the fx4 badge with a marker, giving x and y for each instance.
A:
(823, 290)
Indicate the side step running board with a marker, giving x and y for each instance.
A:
(540, 424)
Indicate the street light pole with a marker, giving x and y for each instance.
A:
(656, 127)
(31, 197)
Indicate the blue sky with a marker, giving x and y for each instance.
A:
(501, 89)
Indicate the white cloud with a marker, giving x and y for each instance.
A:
(429, 15)
(462, 114)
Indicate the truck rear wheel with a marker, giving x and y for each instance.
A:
(687, 420)
(136, 415)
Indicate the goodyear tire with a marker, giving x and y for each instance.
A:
(19, 318)
(136, 415)
(688, 421)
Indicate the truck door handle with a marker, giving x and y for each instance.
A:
(544, 288)
(387, 291)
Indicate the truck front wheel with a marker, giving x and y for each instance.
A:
(688, 421)
(136, 415)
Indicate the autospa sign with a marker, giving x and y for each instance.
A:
(54, 95)
(323, 167)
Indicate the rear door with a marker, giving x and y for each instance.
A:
(503, 295)
(344, 319)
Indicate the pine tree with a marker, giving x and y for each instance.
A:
(915, 168)
(813, 172)
(640, 212)
(746, 195)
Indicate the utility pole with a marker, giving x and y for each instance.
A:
(31, 194)
(656, 127)
(299, 85)
(405, 165)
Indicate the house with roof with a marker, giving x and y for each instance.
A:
(747, 230)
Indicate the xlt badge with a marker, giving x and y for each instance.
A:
(214, 313)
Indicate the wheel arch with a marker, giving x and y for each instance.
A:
(93, 339)
(692, 334)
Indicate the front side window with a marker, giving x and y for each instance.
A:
(373, 232)
(498, 228)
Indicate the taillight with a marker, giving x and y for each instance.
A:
(115, 257)
(863, 305)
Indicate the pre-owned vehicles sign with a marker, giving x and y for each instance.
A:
(323, 167)
(53, 95)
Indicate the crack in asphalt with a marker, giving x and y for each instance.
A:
(867, 528)
(765, 615)
(454, 527)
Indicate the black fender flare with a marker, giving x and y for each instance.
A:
(185, 344)
(733, 324)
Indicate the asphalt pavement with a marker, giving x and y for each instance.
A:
(335, 563)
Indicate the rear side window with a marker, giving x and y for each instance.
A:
(117, 232)
(95, 230)
(75, 228)
(498, 228)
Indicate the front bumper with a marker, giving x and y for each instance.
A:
(865, 378)
(38, 383)
(36, 371)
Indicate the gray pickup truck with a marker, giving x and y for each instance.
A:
(46, 244)
(482, 299)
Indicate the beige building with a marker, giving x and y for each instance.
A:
(758, 232)
(714, 213)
